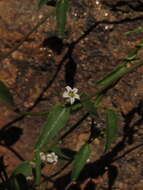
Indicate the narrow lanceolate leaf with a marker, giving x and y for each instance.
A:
(80, 161)
(57, 119)
(5, 96)
(41, 3)
(37, 168)
(61, 16)
(111, 130)
(136, 30)
(113, 76)
(88, 105)
(24, 168)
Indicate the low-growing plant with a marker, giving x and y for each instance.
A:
(46, 152)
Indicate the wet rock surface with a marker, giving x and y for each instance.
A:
(95, 44)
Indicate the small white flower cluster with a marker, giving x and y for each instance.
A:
(71, 94)
(29, 178)
(97, 2)
(51, 158)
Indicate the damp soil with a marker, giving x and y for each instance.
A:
(38, 71)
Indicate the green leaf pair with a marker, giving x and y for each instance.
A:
(113, 76)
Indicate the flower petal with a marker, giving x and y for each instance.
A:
(75, 90)
(68, 88)
(65, 94)
(76, 96)
(72, 100)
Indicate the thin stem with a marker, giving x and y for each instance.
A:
(33, 113)
(27, 35)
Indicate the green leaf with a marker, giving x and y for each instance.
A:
(140, 44)
(132, 54)
(41, 3)
(24, 168)
(136, 30)
(98, 99)
(61, 16)
(80, 161)
(113, 76)
(76, 107)
(111, 129)
(88, 105)
(57, 119)
(5, 96)
(37, 168)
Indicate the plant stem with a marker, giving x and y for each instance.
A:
(33, 113)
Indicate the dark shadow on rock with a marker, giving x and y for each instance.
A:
(15, 182)
(129, 128)
(61, 183)
(51, 3)
(95, 131)
(3, 173)
(74, 187)
(10, 136)
(90, 186)
(125, 6)
(70, 71)
(112, 175)
(54, 43)
(69, 153)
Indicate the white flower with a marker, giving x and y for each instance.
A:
(42, 156)
(71, 94)
(52, 158)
